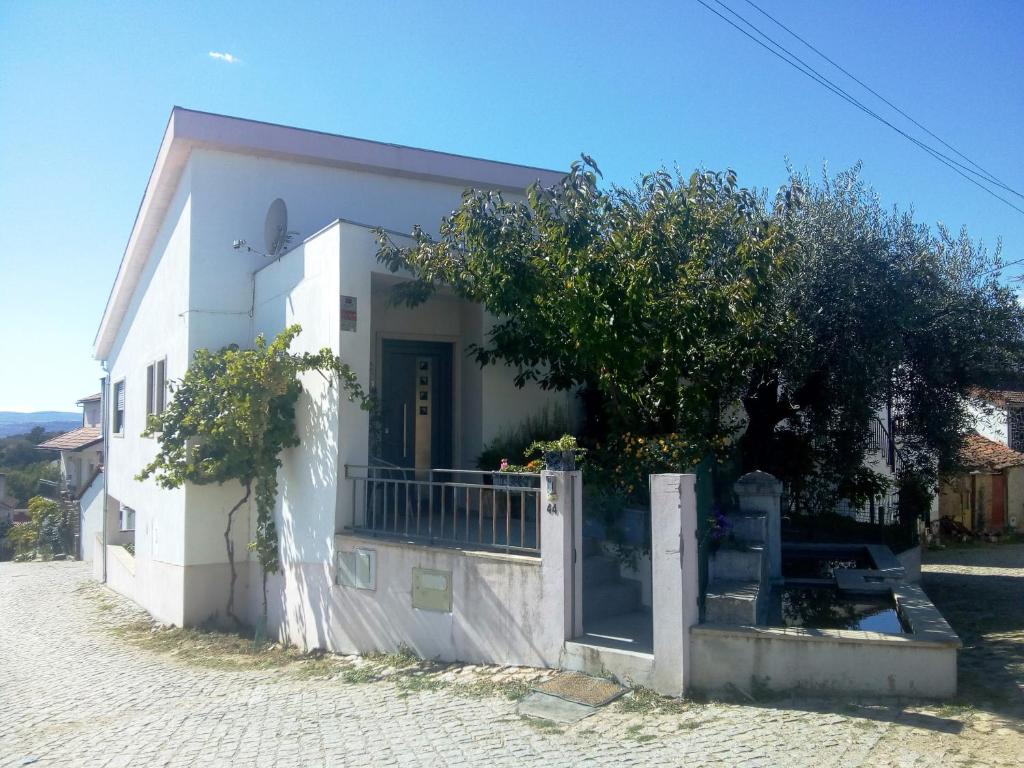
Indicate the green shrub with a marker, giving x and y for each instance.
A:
(547, 424)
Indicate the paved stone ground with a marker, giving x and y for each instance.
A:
(75, 693)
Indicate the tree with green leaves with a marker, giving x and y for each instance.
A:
(47, 532)
(695, 307)
(652, 298)
(878, 314)
(228, 419)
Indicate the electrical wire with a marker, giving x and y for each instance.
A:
(987, 174)
(801, 66)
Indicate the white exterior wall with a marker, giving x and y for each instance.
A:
(990, 422)
(90, 517)
(197, 291)
(155, 327)
(92, 415)
(76, 467)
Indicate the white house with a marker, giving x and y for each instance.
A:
(182, 286)
(81, 471)
(389, 535)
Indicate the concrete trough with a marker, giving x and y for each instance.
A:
(920, 663)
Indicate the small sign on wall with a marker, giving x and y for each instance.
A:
(349, 313)
(432, 590)
(357, 568)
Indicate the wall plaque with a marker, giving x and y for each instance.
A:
(349, 313)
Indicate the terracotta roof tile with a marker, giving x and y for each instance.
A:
(90, 398)
(73, 440)
(1000, 397)
(981, 453)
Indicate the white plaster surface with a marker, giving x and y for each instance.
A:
(674, 574)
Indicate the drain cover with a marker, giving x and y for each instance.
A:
(582, 689)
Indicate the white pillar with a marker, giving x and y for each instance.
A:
(675, 578)
(355, 347)
(561, 539)
(761, 492)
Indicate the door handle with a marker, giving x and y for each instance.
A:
(405, 430)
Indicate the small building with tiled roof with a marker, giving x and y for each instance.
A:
(81, 470)
(75, 440)
(987, 494)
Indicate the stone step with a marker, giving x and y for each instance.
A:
(627, 667)
(610, 598)
(599, 569)
(736, 564)
(733, 602)
(749, 527)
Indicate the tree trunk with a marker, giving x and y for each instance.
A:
(764, 413)
(230, 546)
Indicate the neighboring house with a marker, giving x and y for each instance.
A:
(183, 286)
(999, 416)
(81, 471)
(987, 494)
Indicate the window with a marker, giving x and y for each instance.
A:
(118, 425)
(156, 387)
(127, 518)
(1015, 430)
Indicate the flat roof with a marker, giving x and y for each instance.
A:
(190, 129)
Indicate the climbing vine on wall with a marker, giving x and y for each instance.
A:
(229, 418)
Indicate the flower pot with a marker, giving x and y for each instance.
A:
(560, 461)
(513, 480)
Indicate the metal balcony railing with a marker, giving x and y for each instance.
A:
(448, 507)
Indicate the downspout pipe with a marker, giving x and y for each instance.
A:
(104, 430)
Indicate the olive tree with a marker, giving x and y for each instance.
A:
(878, 312)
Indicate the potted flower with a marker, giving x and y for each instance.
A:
(559, 455)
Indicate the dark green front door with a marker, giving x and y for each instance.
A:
(416, 404)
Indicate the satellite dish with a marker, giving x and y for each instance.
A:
(275, 228)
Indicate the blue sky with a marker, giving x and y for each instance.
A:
(85, 92)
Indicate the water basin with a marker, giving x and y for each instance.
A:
(824, 607)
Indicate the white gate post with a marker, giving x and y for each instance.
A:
(561, 539)
(675, 578)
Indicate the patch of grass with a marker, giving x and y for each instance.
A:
(484, 687)
(543, 726)
(403, 657)
(361, 674)
(645, 701)
(215, 649)
(635, 732)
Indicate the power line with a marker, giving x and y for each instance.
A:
(808, 70)
(797, 63)
(988, 174)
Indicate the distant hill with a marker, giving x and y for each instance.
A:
(15, 423)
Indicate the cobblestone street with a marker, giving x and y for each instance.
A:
(73, 692)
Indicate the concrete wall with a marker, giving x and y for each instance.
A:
(1014, 496)
(90, 517)
(496, 612)
(505, 609)
(121, 572)
(820, 661)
